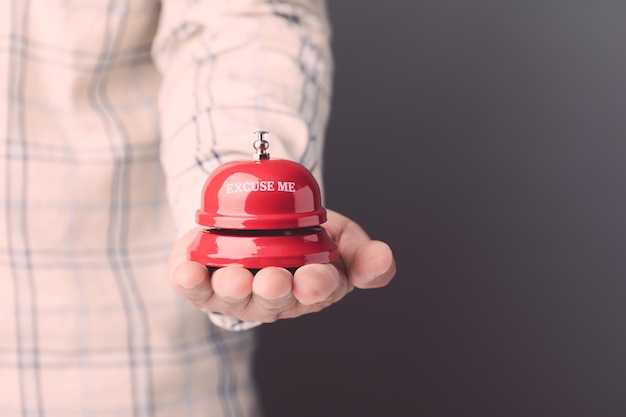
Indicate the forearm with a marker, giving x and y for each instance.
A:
(230, 68)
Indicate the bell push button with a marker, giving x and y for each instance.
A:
(261, 212)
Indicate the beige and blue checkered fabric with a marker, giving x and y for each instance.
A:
(112, 113)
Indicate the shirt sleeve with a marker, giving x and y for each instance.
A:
(230, 68)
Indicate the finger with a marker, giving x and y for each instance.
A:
(319, 284)
(192, 282)
(272, 296)
(272, 283)
(232, 284)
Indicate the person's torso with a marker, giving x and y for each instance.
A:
(89, 321)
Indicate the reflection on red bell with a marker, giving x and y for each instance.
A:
(260, 213)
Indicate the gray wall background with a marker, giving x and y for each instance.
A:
(485, 142)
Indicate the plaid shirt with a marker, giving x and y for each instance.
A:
(112, 113)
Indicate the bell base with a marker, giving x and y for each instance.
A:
(260, 249)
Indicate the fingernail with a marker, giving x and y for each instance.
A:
(277, 298)
(190, 285)
(233, 301)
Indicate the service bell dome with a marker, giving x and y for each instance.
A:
(262, 212)
(261, 194)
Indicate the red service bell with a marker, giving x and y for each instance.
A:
(261, 212)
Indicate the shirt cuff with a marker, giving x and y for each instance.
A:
(231, 323)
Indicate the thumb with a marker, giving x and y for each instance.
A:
(369, 263)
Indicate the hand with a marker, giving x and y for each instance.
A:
(274, 293)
